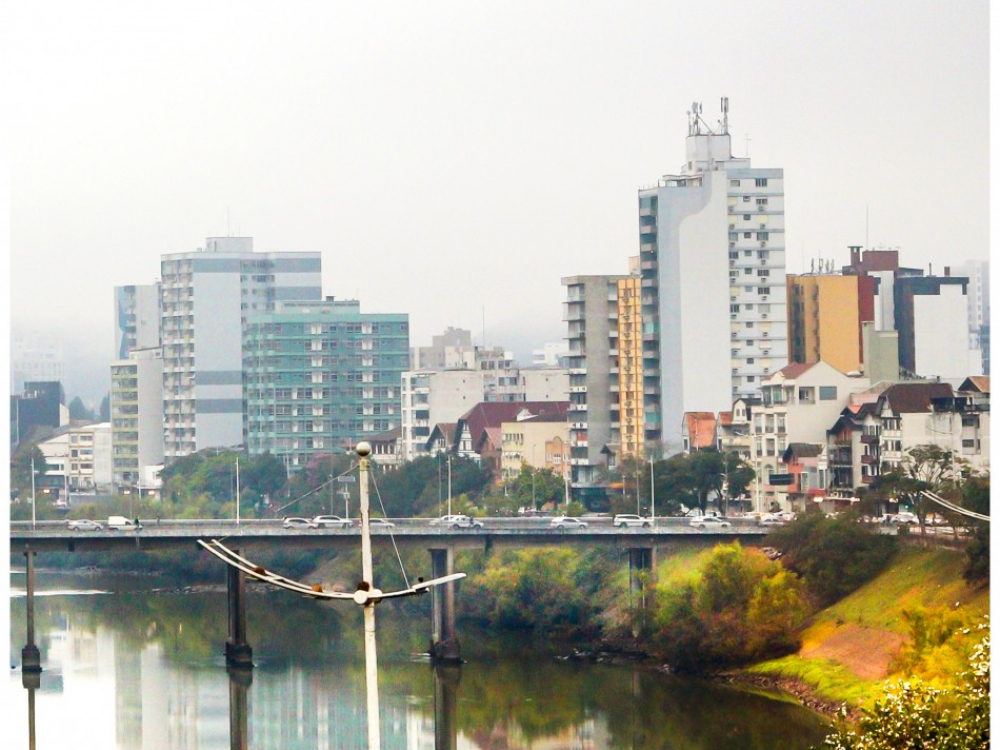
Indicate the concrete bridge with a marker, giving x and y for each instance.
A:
(249, 536)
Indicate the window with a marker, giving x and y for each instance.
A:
(750, 378)
(807, 395)
(734, 308)
(734, 183)
(746, 235)
(749, 324)
(760, 182)
(746, 217)
(761, 235)
(750, 360)
(762, 201)
(828, 393)
(763, 272)
(747, 271)
(763, 290)
(746, 198)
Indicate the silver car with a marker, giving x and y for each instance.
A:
(331, 522)
(709, 522)
(297, 523)
(84, 524)
(567, 522)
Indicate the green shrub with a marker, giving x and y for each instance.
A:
(834, 556)
(740, 607)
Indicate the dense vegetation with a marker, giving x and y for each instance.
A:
(916, 714)
(740, 606)
(834, 556)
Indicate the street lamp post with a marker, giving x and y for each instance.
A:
(449, 484)
(652, 494)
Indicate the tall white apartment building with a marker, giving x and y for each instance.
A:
(136, 416)
(978, 273)
(712, 259)
(137, 318)
(207, 296)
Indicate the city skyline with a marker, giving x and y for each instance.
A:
(454, 163)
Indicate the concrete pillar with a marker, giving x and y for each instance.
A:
(240, 679)
(31, 658)
(444, 638)
(641, 563)
(446, 680)
(238, 651)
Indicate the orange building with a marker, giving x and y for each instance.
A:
(630, 392)
(825, 313)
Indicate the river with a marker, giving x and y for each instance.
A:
(135, 663)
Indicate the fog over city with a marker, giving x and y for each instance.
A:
(453, 161)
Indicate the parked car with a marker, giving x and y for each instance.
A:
(120, 523)
(294, 522)
(331, 522)
(786, 515)
(380, 523)
(709, 522)
(770, 520)
(905, 518)
(567, 522)
(623, 520)
(84, 524)
(457, 521)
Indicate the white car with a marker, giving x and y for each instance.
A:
(567, 522)
(457, 521)
(294, 522)
(380, 523)
(770, 520)
(84, 524)
(904, 518)
(709, 522)
(623, 520)
(331, 522)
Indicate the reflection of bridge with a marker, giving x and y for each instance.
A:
(250, 536)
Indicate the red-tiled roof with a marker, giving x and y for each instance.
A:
(914, 398)
(795, 369)
(725, 418)
(495, 413)
(979, 383)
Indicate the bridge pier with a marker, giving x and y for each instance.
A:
(31, 657)
(446, 680)
(238, 651)
(240, 679)
(641, 563)
(444, 639)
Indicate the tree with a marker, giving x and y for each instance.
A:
(79, 412)
(834, 556)
(976, 497)
(924, 467)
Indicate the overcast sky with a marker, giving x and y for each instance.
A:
(456, 159)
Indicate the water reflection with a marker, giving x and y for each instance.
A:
(138, 670)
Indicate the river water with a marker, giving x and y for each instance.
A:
(135, 663)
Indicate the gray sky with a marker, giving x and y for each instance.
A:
(451, 158)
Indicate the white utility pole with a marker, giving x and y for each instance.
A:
(449, 484)
(237, 490)
(32, 493)
(652, 493)
(371, 660)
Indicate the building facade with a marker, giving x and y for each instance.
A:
(136, 416)
(825, 317)
(137, 318)
(712, 259)
(591, 315)
(207, 297)
(320, 376)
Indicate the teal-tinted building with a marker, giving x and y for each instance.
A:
(320, 376)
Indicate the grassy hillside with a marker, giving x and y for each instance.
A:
(849, 648)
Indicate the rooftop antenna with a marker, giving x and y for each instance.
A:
(725, 115)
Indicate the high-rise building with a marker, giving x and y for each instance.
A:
(712, 260)
(137, 318)
(931, 320)
(591, 313)
(825, 313)
(978, 273)
(35, 357)
(136, 417)
(207, 297)
(453, 348)
(320, 376)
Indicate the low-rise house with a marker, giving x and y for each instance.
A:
(698, 431)
(799, 403)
